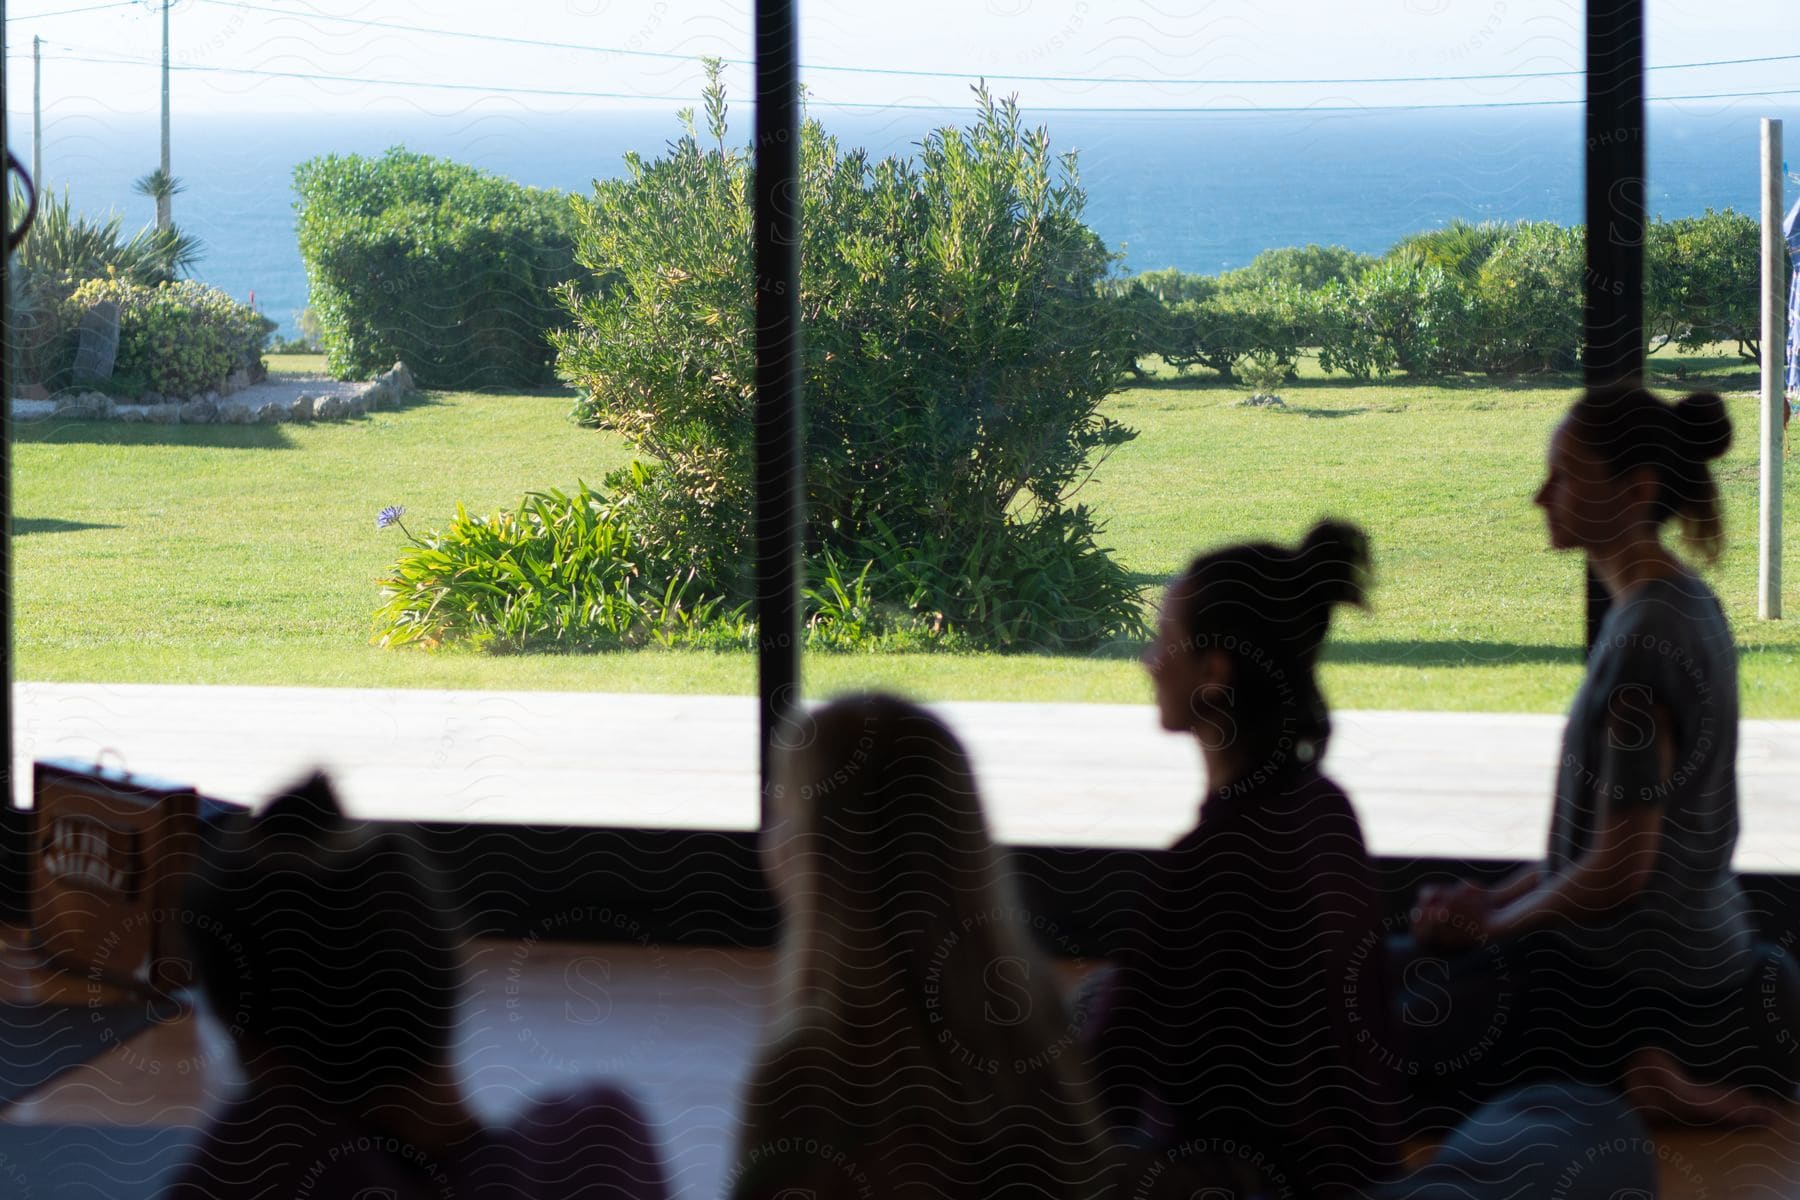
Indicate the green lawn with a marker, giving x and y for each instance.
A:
(248, 554)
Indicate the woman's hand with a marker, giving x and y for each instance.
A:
(1451, 916)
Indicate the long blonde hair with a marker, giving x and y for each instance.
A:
(913, 1014)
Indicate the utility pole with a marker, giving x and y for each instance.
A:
(162, 198)
(37, 113)
(1774, 358)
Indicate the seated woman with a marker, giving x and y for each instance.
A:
(1247, 1005)
(1628, 955)
(919, 1045)
(331, 953)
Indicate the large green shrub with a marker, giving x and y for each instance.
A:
(1705, 275)
(1400, 313)
(447, 267)
(1527, 301)
(179, 338)
(1307, 268)
(956, 355)
(1458, 248)
(1232, 325)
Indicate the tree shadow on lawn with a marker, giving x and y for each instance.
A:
(1328, 413)
(24, 525)
(1451, 654)
(51, 431)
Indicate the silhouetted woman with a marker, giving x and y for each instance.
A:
(332, 954)
(1628, 954)
(919, 1045)
(1247, 1014)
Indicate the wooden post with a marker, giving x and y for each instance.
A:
(1774, 347)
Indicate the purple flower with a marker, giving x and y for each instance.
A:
(390, 516)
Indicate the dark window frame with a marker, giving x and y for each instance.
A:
(706, 886)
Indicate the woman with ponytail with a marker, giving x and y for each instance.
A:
(1242, 1029)
(918, 1043)
(1627, 955)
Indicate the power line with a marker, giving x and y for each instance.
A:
(64, 12)
(364, 79)
(367, 23)
(313, 77)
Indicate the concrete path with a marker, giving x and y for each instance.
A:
(1454, 784)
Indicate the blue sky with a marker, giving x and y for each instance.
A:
(263, 55)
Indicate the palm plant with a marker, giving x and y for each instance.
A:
(161, 187)
(62, 250)
(69, 246)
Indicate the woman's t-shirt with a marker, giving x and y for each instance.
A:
(1666, 644)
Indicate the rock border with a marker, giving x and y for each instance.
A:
(390, 389)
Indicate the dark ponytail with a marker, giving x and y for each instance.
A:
(1629, 428)
(1270, 607)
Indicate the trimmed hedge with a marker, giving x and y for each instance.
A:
(450, 268)
(1495, 297)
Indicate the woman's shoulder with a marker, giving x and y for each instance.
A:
(1674, 621)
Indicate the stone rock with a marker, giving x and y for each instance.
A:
(236, 382)
(403, 380)
(213, 399)
(381, 394)
(358, 405)
(86, 406)
(302, 408)
(235, 414)
(152, 397)
(131, 416)
(270, 414)
(199, 412)
(162, 414)
(329, 409)
(98, 346)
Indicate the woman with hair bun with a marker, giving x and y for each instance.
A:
(1628, 953)
(1242, 1029)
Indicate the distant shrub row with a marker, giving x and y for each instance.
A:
(1503, 298)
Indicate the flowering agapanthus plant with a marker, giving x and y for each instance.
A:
(390, 516)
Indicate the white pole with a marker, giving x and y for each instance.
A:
(162, 199)
(37, 114)
(1774, 346)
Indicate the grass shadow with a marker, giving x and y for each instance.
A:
(51, 431)
(1462, 653)
(27, 525)
(1327, 413)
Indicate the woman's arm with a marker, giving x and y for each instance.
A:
(1612, 872)
(1627, 837)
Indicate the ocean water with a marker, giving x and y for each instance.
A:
(1201, 192)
